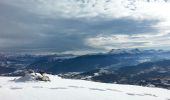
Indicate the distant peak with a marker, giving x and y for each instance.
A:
(119, 51)
(135, 51)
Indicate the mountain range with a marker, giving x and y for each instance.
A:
(123, 66)
(112, 60)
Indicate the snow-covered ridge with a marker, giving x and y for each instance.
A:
(65, 89)
(134, 51)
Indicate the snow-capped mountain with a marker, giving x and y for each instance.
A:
(135, 51)
(121, 51)
(114, 59)
(66, 89)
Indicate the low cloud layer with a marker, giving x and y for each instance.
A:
(89, 25)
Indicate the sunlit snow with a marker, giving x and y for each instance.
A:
(66, 89)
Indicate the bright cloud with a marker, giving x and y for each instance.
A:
(128, 41)
(139, 9)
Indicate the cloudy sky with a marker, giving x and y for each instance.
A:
(75, 26)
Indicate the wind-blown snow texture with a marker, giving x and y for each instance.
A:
(65, 89)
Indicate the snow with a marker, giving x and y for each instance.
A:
(67, 89)
(27, 77)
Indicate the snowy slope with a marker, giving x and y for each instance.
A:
(65, 89)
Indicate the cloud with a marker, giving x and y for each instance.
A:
(75, 25)
(74, 8)
(139, 9)
(116, 41)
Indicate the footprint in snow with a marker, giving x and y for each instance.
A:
(145, 94)
(16, 88)
(115, 90)
(97, 89)
(131, 94)
(0, 86)
(148, 94)
(37, 87)
(140, 94)
(168, 99)
(58, 88)
(75, 86)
